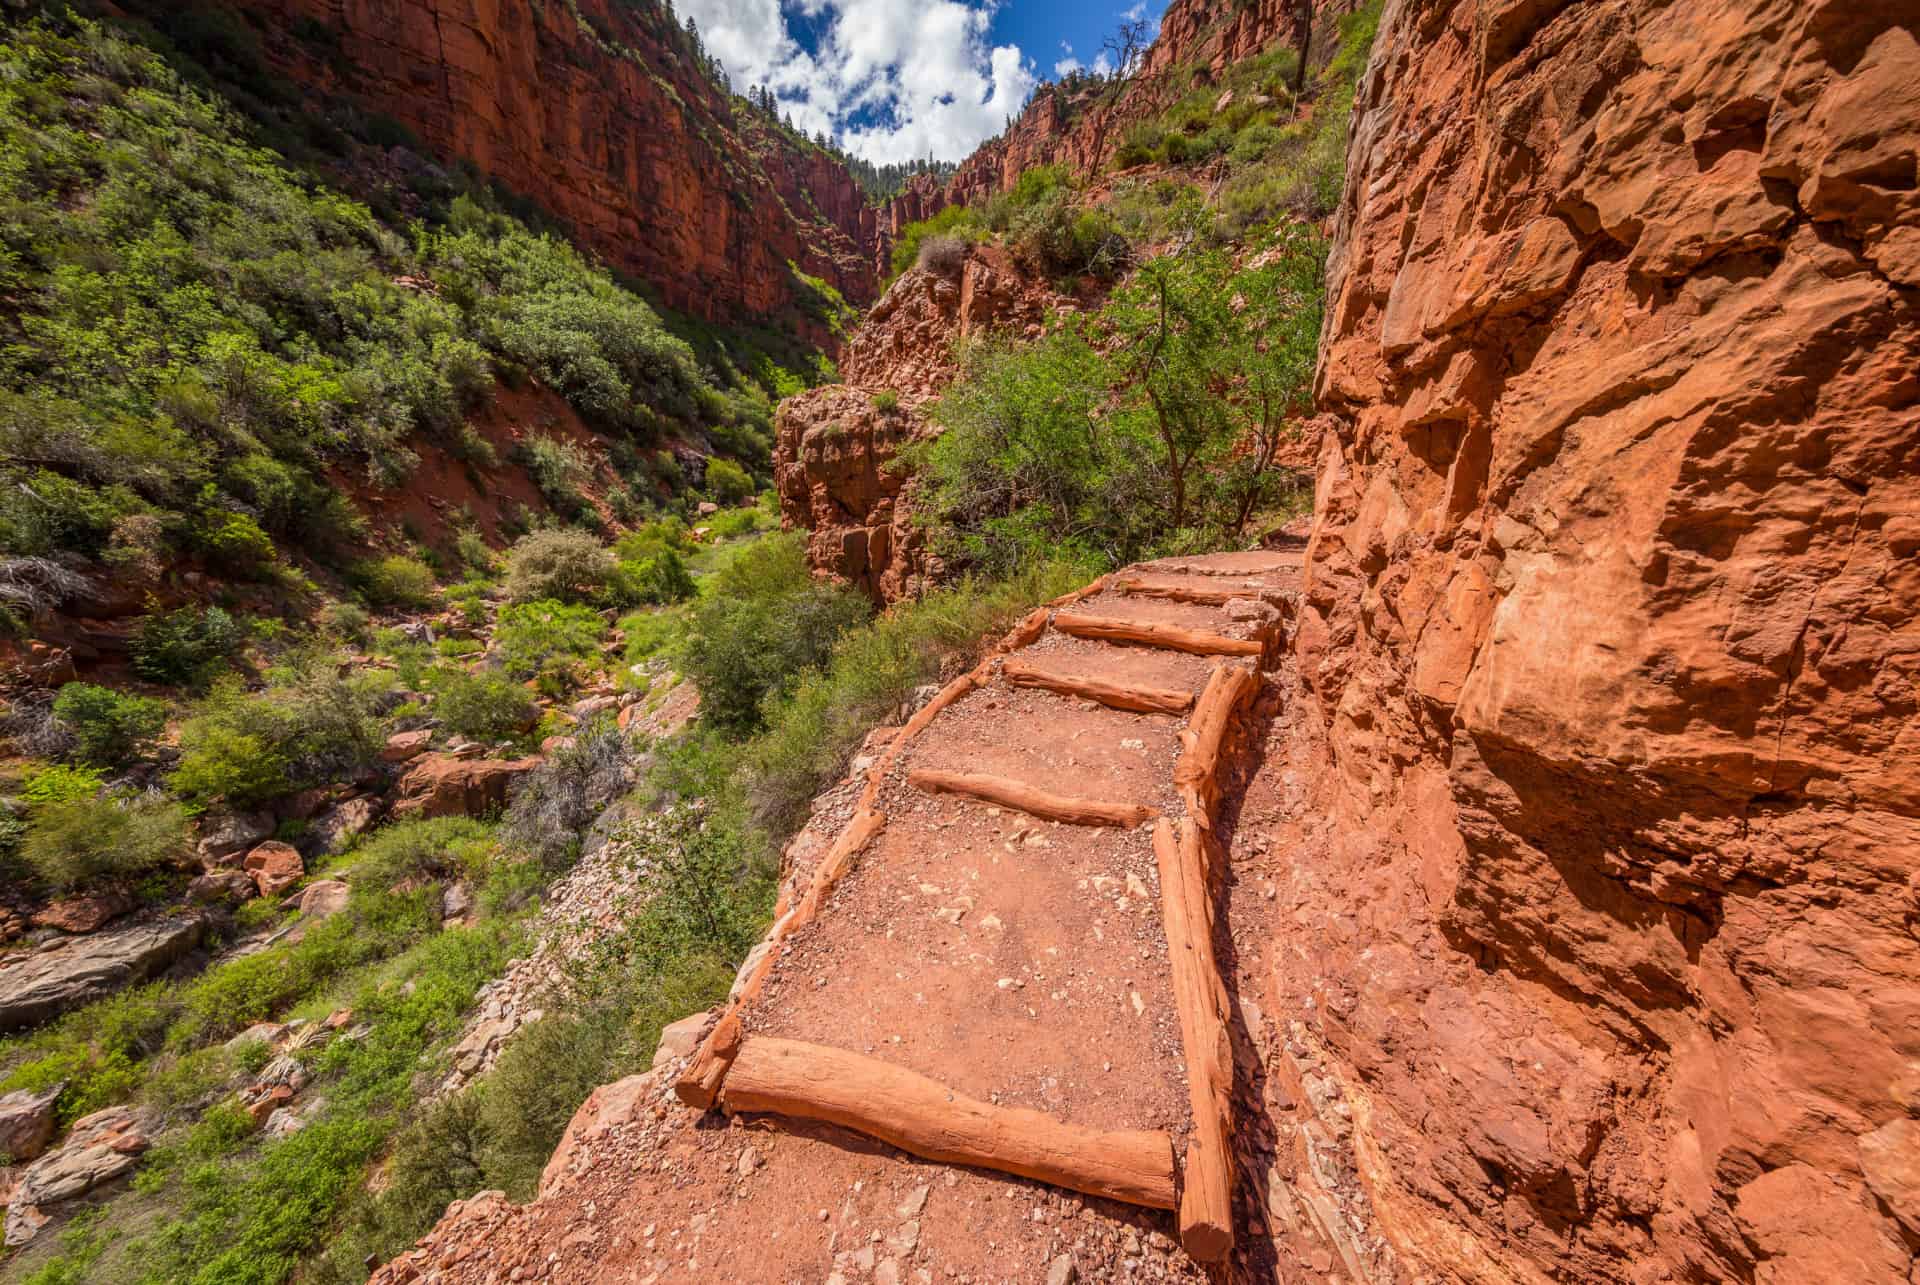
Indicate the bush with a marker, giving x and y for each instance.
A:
(956, 222)
(347, 621)
(311, 727)
(942, 254)
(886, 401)
(60, 783)
(183, 647)
(84, 840)
(559, 801)
(233, 542)
(727, 482)
(436, 849)
(569, 566)
(766, 623)
(484, 706)
(661, 579)
(559, 468)
(538, 638)
(396, 581)
(109, 728)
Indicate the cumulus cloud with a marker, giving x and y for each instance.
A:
(891, 79)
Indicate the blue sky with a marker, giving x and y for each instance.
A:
(892, 80)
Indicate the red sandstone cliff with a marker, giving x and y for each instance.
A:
(1610, 631)
(591, 110)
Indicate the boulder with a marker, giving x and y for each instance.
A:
(223, 839)
(402, 746)
(65, 973)
(100, 1148)
(26, 1122)
(305, 805)
(340, 825)
(323, 898)
(442, 785)
(86, 913)
(678, 1039)
(1889, 1157)
(455, 902)
(275, 867)
(222, 885)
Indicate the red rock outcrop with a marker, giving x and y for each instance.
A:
(905, 343)
(833, 467)
(1610, 631)
(438, 785)
(594, 111)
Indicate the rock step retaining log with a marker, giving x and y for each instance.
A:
(1144, 700)
(1031, 799)
(1180, 589)
(1200, 998)
(927, 1119)
(1154, 633)
(1197, 774)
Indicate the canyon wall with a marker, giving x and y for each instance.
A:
(1610, 629)
(1081, 133)
(592, 110)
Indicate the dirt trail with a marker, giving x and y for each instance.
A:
(992, 990)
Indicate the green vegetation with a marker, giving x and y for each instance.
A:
(201, 333)
(762, 621)
(1040, 220)
(396, 581)
(546, 640)
(1152, 425)
(484, 705)
(77, 841)
(309, 727)
(109, 728)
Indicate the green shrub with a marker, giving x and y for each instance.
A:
(82, 841)
(955, 222)
(727, 482)
(660, 579)
(347, 621)
(536, 638)
(484, 706)
(886, 401)
(396, 580)
(765, 623)
(109, 728)
(183, 647)
(310, 727)
(559, 468)
(436, 848)
(60, 783)
(233, 542)
(569, 566)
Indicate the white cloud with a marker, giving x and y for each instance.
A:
(891, 79)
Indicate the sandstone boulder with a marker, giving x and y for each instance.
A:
(275, 867)
(402, 746)
(222, 885)
(339, 825)
(27, 1122)
(323, 898)
(86, 913)
(99, 1148)
(225, 838)
(40, 984)
(443, 785)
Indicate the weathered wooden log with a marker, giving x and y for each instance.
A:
(1200, 998)
(1154, 633)
(1031, 799)
(1145, 700)
(699, 1084)
(1024, 634)
(922, 717)
(1216, 593)
(701, 1078)
(930, 1120)
(1081, 594)
(1197, 774)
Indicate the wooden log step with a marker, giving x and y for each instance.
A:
(1031, 799)
(1200, 998)
(1153, 633)
(1144, 700)
(1197, 773)
(1216, 593)
(930, 1120)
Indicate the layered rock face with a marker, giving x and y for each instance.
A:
(834, 452)
(1610, 626)
(635, 151)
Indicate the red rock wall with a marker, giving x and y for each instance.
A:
(1611, 629)
(637, 154)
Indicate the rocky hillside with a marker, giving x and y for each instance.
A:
(596, 112)
(1608, 632)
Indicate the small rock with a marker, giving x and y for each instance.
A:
(275, 867)
(27, 1122)
(324, 898)
(749, 1161)
(222, 885)
(402, 746)
(1062, 1271)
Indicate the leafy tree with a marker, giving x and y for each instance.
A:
(109, 728)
